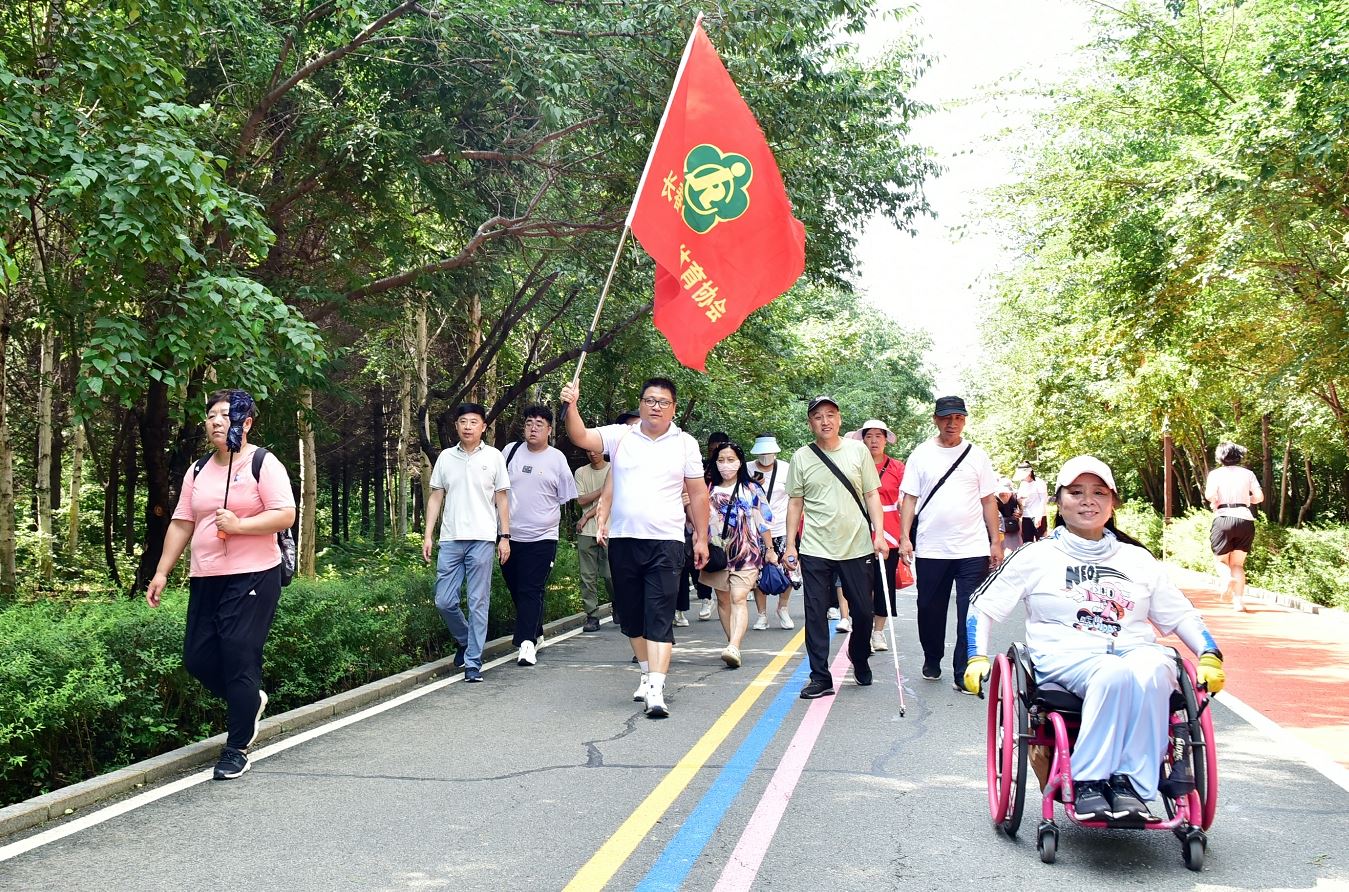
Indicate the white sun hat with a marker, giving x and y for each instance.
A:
(873, 423)
(1085, 464)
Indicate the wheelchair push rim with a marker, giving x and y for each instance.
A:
(1006, 753)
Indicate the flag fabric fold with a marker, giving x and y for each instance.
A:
(712, 211)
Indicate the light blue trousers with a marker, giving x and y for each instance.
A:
(461, 559)
(1125, 710)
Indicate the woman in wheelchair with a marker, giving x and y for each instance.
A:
(1093, 596)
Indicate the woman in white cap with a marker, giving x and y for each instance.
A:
(771, 474)
(1094, 600)
(875, 435)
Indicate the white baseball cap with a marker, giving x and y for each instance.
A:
(1085, 464)
(765, 445)
(875, 423)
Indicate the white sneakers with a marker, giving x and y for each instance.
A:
(844, 625)
(785, 619)
(731, 656)
(878, 641)
(680, 619)
(833, 613)
(528, 654)
(655, 704)
(761, 623)
(705, 611)
(640, 694)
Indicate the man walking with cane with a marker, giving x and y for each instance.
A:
(833, 482)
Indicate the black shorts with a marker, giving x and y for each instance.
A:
(1231, 534)
(646, 580)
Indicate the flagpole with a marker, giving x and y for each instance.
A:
(632, 208)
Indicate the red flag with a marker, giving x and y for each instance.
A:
(712, 212)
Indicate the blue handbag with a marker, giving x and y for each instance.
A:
(772, 581)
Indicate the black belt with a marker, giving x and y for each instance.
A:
(1234, 505)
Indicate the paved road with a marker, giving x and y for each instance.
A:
(545, 776)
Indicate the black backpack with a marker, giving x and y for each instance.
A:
(285, 540)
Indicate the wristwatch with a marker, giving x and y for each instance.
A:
(506, 536)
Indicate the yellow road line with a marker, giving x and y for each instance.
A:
(610, 857)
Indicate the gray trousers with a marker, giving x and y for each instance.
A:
(593, 561)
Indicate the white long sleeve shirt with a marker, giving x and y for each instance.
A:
(1071, 605)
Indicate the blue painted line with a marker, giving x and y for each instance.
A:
(674, 864)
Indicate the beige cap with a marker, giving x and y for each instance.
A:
(1085, 464)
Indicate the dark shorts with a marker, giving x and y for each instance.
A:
(646, 580)
(1231, 534)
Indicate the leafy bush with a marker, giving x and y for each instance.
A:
(87, 686)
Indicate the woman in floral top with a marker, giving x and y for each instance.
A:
(740, 508)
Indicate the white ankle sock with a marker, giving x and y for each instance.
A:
(645, 665)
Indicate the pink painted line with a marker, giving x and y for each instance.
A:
(743, 867)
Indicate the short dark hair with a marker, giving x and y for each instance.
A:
(664, 383)
(1230, 453)
(718, 437)
(470, 409)
(223, 396)
(538, 411)
(626, 418)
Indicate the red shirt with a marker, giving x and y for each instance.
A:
(891, 472)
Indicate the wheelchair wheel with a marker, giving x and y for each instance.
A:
(1203, 748)
(1047, 842)
(1006, 727)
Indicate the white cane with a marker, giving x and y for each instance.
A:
(892, 612)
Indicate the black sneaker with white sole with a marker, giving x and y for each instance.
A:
(931, 672)
(257, 720)
(1091, 801)
(816, 689)
(232, 764)
(1128, 805)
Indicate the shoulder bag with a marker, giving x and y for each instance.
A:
(716, 545)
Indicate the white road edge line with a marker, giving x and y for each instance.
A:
(1290, 745)
(13, 850)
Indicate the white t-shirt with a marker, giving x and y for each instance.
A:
(777, 499)
(952, 521)
(1233, 485)
(471, 481)
(649, 480)
(541, 483)
(1034, 498)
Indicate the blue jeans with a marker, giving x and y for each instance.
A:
(460, 558)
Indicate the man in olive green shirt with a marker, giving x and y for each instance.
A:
(838, 540)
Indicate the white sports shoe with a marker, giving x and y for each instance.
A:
(761, 623)
(680, 619)
(878, 642)
(785, 619)
(655, 704)
(640, 694)
(844, 625)
(833, 613)
(528, 655)
(705, 612)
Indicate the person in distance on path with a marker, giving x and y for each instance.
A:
(652, 464)
(591, 558)
(772, 476)
(837, 540)
(1232, 490)
(236, 570)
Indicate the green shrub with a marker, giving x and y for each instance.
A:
(90, 685)
(1137, 519)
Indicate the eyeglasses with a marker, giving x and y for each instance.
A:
(655, 403)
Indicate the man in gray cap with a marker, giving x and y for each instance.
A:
(833, 483)
(949, 491)
(772, 476)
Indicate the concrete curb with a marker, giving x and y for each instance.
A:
(1292, 602)
(60, 803)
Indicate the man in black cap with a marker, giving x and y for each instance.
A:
(833, 482)
(949, 530)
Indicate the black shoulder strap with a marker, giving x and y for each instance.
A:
(201, 463)
(515, 447)
(844, 480)
(949, 471)
(259, 456)
(772, 477)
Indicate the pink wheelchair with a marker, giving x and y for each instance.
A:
(1023, 716)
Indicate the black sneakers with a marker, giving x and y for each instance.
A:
(1091, 801)
(1127, 801)
(816, 689)
(472, 675)
(232, 764)
(459, 651)
(862, 674)
(592, 624)
(931, 672)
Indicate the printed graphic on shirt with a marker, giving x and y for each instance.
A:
(1100, 592)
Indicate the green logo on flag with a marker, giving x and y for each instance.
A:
(714, 187)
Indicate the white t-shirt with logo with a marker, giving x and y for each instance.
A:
(541, 483)
(649, 480)
(777, 499)
(471, 481)
(952, 521)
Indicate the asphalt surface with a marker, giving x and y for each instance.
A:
(518, 782)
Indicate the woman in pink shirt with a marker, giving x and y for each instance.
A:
(236, 569)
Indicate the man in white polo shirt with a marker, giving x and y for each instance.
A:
(652, 465)
(471, 481)
(541, 483)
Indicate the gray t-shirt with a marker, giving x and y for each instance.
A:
(541, 483)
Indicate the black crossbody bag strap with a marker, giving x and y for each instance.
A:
(846, 485)
(949, 471)
(771, 478)
(515, 447)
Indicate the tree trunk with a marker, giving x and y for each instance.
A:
(400, 478)
(365, 494)
(76, 473)
(42, 485)
(335, 500)
(9, 577)
(309, 487)
(1285, 481)
(346, 498)
(111, 498)
(154, 430)
(421, 350)
(378, 461)
(1266, 461)
(1311, 490)
(130, 472)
